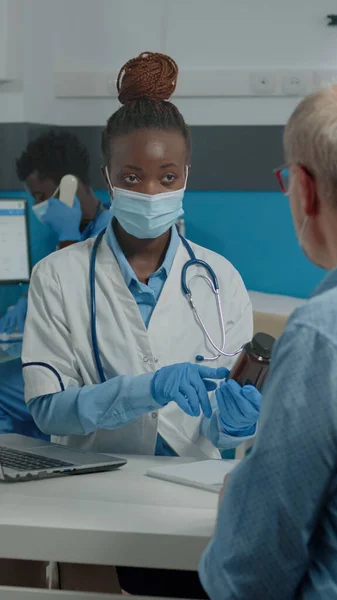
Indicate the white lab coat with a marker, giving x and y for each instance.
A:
(58, 333)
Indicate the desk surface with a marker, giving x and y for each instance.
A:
(117, 518)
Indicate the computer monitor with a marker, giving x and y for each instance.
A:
(14, 243)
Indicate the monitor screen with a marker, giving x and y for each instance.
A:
(14, 243)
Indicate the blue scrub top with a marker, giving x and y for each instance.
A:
(100, 222)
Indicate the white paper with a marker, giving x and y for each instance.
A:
(206, 475)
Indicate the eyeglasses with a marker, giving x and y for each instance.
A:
(283, 176)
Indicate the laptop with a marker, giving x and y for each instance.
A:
(24, 458)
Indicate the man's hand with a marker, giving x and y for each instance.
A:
(63, 219)
(14, 319)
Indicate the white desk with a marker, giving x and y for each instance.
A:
(117, 518)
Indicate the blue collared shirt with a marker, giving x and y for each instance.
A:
(276, 536)
(146, 296)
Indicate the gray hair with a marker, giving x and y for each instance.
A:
(310, 139)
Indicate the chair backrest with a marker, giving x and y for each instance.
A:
(14, 593)
(270, 323)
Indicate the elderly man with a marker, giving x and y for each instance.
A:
(276, 536)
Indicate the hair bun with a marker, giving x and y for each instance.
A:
(150, 75)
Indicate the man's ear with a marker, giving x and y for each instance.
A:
(310, 197)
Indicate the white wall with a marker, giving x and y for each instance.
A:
(230, 36)
(11, 61)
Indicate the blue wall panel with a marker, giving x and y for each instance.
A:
(252, 229)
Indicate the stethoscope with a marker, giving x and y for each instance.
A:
(211, 279)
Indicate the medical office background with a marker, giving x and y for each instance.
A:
(244, 64)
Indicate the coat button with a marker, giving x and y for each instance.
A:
(155, 359)
(154, 415)
(145, 359)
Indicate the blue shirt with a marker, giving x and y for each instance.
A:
(14, 414)
(147, 296)
(276, 536)
(101, 221)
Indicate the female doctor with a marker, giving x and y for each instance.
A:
(144, 322)
(111, 338)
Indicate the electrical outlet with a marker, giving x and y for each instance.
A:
(263, 83)
(294, 84)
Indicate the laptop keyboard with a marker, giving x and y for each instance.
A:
(23, 461)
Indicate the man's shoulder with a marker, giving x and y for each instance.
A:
(319, 314)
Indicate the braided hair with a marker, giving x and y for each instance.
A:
(144, 86)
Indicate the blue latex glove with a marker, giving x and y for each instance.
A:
(187, 385)
(239, 407)
(64, 221)
(14, 319)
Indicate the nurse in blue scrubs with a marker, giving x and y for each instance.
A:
(41, 167)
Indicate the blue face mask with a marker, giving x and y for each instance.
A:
(40, 209)
(146, 216)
